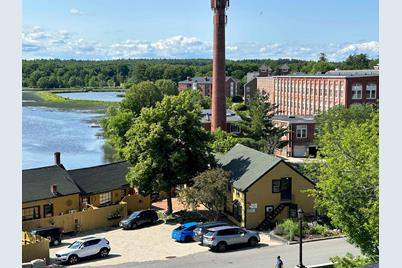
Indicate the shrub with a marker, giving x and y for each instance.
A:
(350, 261)
(183, 216)
(290, 228)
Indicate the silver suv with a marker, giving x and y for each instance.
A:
(219, 238)
(84, 247)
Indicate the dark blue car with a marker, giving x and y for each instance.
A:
(185, 232)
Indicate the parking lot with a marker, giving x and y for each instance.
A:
(148, 243)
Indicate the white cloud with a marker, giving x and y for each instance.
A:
(76, 12)
(38, 42)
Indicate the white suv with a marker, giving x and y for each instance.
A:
(84, 247)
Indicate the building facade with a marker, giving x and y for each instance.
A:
(300, 136)
(263, 189)
(307, 95)
(204, 85)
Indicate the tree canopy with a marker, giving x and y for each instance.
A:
(348, 183)
(257, 126)
(167, 145)
(209, 189)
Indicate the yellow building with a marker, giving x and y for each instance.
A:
(102, 185)
(264, 188)
(47, 192)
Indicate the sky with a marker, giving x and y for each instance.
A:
(256, 29)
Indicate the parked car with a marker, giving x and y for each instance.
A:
(54, 234)
(185, 232)
(84, 247)
(202, 228)
(138, 218)
(219, 238)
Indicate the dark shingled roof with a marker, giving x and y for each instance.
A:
(103, 178)
(36, 183)
(246, 165)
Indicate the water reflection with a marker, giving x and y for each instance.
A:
(99, 96)
(46, 130)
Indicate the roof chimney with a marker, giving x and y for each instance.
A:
(57, 158)
(53, 189)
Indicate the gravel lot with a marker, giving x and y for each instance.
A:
(149, 243)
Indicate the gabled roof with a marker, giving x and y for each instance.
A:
(36, 183)
(204, 80)
(247, 165)
(99, 179)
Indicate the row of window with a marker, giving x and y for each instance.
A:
(310, 88)
(32, 213)
(371, 91)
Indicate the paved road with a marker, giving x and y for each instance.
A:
(264, 256)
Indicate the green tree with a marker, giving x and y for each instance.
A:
(167, 87)
(167, 145)
(323, 57)
(118, 120)
(143, 94)
(348, 186)
(257, 126)
(356, 62)
(223, 141)
(209, 189)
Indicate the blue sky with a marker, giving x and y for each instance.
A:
(104, 29)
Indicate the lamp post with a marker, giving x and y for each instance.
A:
(300, 213)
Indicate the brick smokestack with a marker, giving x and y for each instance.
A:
(218, 66)
(57, 158)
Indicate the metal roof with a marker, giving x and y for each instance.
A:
(294, 119)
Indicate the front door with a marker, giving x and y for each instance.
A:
(286, 189)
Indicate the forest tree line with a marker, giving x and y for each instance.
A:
(55, 73)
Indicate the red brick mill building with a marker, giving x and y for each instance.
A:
(204, 85)
(301, 96)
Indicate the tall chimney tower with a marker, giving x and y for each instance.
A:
(218, 67)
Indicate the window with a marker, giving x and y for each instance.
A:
(356, 91)
(48, 210)
(336, 90)
(31, 213)
(342, 88)
(231, 89)
(321, 89)
(371, 91)
(105, 198)
(330, 89)
(276, 186)
(325, 89)
(301, 131)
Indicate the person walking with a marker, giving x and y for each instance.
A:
(279, 262)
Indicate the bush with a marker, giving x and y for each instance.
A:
(183, 216)
(350, 261)
(289, 228)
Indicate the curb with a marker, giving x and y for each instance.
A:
(271, 234)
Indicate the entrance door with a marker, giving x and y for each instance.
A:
(286, 189)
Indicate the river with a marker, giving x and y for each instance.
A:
(72, 132)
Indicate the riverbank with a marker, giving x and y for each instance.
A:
(74, 90)
(52, 97)
(31, 98)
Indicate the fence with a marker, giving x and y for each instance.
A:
(90, 219)
(137, 202)
(34, 247)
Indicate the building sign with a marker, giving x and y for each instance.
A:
(253, 205)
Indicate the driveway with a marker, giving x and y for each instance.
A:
(149, 243)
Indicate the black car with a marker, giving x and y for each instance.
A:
(138, 218)
(54, 234)
(201, 229)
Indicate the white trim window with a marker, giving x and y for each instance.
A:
(357, 91)
(301, 131)
(371, 91)
(105, 198)
(231, 89)
(342, 90)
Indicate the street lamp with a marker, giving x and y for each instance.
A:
(300, 213)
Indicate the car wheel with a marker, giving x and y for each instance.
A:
(104, 252)
(221, 247)
(187, 239)
(56, 242)
(253, 241)
(73, 259)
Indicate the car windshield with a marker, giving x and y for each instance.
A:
(134, 214)
(179, 228)
(75, 245)
(209, 233)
